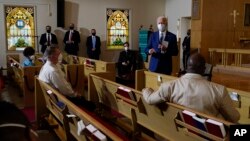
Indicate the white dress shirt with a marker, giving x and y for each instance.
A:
(54, 76)
(194, 91)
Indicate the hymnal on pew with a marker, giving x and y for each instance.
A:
(127, 93)
(216, 128)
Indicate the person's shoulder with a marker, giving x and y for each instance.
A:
(170, 33)
(217, 86)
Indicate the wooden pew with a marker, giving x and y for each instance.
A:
(24, 77)
(163, 122)
(154, 80)
(68, 126)
(91, 65)
(75, 75)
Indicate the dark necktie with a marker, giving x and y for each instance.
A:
(161, 37)
(48, 40)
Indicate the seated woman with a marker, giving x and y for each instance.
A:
(29, 56)
(126, 63)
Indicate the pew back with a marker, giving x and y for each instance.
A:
(154, 80)
(163, 122)
(69, 125)
(24, 77)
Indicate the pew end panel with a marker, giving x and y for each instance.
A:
(29, 84)
(40, 104)
(92, 93)
(75, 75)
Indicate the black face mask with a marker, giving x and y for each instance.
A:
(71, 27)
(48, 31)
(93, 34)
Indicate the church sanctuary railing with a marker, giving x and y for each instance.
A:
(230, 57)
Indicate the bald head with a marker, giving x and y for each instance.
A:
(196, 64)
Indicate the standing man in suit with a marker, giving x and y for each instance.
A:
(71, 40)
(186, 49)
(93, 45)
(126, 62)
(47, 39)
(162, 46)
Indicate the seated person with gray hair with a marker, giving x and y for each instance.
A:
(195, 92)
(52, 74)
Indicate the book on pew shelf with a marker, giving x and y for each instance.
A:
(126, 93)
(200, 123)
(80, 127)
(60, 104)
(99, 136)
(216, 128)
(52, 96)
(234, 96)
(91, 128)
(188, 117)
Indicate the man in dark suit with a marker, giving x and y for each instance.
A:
(93, 45)
(162, 46)
(126, 62)
(186, 49)
(47, 39)
(71, 40)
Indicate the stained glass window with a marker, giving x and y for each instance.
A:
(20, 27)
(117, 28)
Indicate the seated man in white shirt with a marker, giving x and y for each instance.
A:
(194, 91)
(52, 74)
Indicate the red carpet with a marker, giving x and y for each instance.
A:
(30, 113)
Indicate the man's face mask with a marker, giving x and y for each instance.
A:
(161, 27)
(125, 48)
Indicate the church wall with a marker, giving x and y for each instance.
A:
(219, 28)
(88, 14)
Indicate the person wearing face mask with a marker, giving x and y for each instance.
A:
(162, 46)
(186, 49)
(93, 45)
(29, 59)
(126, 62)
(47, 39)
(71, 40)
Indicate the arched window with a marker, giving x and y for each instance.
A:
(20, 27)
(117, 28)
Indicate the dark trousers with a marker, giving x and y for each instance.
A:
(185, 57)
(82, 102)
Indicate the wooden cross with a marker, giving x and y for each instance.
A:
(234, 14)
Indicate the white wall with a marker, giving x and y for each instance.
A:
(179, 9)
(176, 9)
(42, 19)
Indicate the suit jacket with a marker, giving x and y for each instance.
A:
(128, 56)
(162, 62)
(93, 54)
(43, 40)
(72, 48)
(186, 42)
